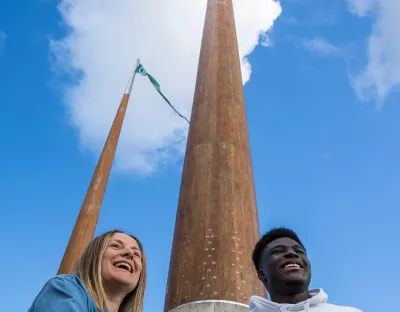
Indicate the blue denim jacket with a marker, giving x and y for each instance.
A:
(64, 293)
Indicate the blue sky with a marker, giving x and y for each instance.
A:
(323, 111)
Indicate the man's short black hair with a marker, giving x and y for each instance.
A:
(270, 236)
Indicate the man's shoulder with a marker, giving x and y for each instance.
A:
(335, 308)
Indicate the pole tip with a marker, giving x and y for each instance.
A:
(130, 84)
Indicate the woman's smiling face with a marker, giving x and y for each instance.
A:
(122, 263)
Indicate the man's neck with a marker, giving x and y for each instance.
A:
(290, 299)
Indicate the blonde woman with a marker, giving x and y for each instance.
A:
(109, 277)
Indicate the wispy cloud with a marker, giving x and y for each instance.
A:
(325, 156)
(104, 38)
(290, 20)
(321, 47)
(3, 38)
(382, 73)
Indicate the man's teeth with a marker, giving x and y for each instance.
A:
(292, 265)
(123, 265)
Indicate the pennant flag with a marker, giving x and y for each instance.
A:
(140, 70)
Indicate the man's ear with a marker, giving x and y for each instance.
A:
(261, 276)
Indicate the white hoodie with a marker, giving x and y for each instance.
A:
(317, 303)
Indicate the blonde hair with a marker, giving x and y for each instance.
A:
(88, 269)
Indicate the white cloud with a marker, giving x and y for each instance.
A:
(362, 7)
(3, 38)
(105, 37)
(322, 47)
(382, 72)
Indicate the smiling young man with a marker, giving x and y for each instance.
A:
(283, 267)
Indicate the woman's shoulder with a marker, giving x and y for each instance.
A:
(62, 292)
(70, 279)
(67, 282)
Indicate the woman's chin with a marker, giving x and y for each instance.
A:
(122, 280)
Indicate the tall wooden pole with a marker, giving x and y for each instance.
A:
(217, 221)
(86, 222)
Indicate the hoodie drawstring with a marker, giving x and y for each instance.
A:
(307, 306)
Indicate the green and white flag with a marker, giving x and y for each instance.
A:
(140, 70)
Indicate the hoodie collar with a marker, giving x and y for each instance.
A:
(259, 304)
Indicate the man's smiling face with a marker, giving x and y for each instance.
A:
(284, 265)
